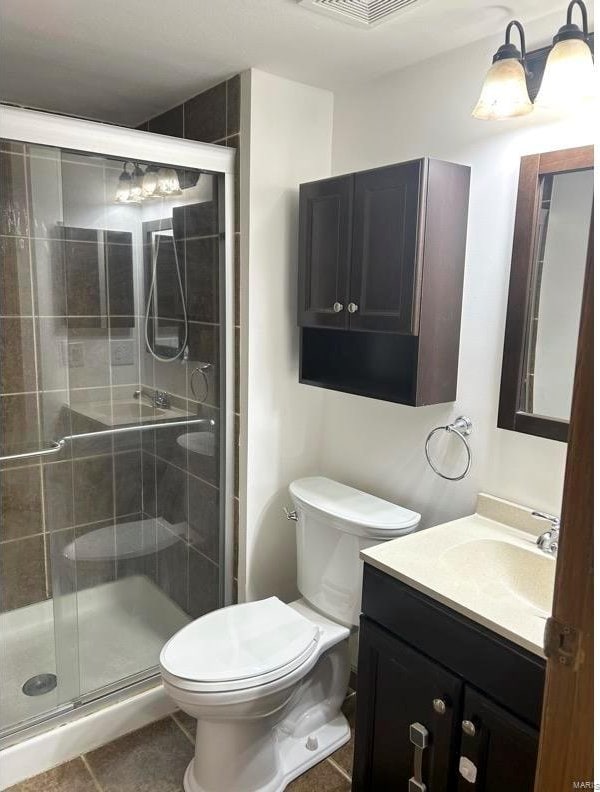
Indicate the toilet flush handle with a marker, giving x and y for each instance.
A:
(291, 515)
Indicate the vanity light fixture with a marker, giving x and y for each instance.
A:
(569, 78)
(137, 185)
(504, 93)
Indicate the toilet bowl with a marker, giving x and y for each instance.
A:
(266, 680)
(267, 709)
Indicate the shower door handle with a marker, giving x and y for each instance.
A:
(55, 447)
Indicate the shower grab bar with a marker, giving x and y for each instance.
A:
(58, 445)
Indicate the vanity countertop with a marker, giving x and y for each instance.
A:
(485, 566)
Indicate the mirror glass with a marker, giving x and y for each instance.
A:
(560, 251)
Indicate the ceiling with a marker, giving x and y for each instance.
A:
(126, 60)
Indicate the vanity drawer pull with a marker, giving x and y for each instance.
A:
(419, 737)
(337, 307)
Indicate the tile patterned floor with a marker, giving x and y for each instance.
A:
(154, 759)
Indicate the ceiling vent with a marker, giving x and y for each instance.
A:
(364, 13)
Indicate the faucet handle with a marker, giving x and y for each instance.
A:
(555, 521)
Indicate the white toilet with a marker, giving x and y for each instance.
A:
(266, 680)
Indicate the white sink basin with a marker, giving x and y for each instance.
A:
(490, 571)
(509, 570)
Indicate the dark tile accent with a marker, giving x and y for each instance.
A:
(80, 424)
(49, 277)
(18, 423)
(83, 274)
(171, 489)
(14, 212)
(20, 502)
(17, 356)
(58, 494)
(233, 105)
(234, 142)
(70, 777)
(172, 566)
(203, 585)
(203, 517)
(202, 279)
(321, 778)
(168, 123)
(93, 486)
(204, 344)
(119, 272)
(196, 220)
(22, 573)
(344, 756)
(205, 115)
(15, 277)
(128, 483)
(149, 483)
(151, 759)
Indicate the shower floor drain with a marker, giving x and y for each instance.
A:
(39, 684)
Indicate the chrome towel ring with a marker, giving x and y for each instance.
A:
(462, 428)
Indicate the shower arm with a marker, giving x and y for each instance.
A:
(58, 445)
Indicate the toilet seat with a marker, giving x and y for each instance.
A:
(239, 647)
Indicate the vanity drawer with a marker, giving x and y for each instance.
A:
(504, 671)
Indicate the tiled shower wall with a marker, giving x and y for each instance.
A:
(56, 359)
(213, 116)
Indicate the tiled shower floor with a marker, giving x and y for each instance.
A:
(154, 759)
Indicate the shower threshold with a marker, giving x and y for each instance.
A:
(120, 630)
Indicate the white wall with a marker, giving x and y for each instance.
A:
(425, 110)
(286, 139)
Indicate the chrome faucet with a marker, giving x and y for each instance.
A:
(159, 399)
(548, 541)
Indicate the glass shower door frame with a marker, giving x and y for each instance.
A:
(88, 137)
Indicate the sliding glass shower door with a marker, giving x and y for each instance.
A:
(112, 393)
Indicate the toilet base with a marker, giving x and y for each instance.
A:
(294, 756)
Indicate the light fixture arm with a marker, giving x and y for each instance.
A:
(508, 50)
(520, 28)
(584, 17)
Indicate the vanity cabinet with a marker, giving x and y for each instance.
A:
(477, 696)
(381, 260)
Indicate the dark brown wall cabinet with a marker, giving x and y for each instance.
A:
(475, 698)
(381, 261)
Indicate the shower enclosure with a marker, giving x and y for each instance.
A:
(115, 406)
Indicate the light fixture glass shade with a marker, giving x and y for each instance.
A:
(569, 78)
(168, 183)
(150, 182)
(504, 93)
(136, 188)
(123, 188)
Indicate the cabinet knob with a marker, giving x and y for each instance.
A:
(439, 706)
(352, 308)
(469, 728)
(337, 307)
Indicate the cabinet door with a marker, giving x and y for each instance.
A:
(385, 278)
(397, 687)
(324, 252)
(501, 748)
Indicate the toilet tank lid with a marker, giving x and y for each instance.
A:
(366, 513)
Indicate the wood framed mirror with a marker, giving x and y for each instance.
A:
(550, 246)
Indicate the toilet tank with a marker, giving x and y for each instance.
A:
(335, 523)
